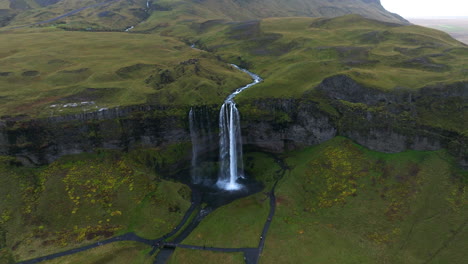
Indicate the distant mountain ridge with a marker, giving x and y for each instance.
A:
(252, 9)
(128, 12)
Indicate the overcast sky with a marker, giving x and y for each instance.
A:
(427, 8)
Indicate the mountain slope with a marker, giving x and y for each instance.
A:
(105, 14)
(119, 14)
(252, 9)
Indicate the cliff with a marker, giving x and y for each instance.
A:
(429, 118)
(392, 121)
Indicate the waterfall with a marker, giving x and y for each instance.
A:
(230, 140)
(201, 136)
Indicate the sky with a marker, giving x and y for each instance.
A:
(427, 8)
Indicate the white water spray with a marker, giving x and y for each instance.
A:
(230, 139)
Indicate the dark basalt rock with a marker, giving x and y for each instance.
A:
(379, 120)
(286, 124)
(382, 121)
(41, 141)
(5, 74)
(30, 74)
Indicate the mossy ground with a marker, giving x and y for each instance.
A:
(293, 55)
(337, 203)
(187, 256)
(119, 253)
(115, 15)
(344, 204)
(236, 225)
(341, 203)
(240, 223)
(44, 72)
(84, 198)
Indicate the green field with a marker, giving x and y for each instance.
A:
(337, 202)
(187, 256)
(119, 253)
(295, 54)
(46, 68)
(341, 203)
(85, 198)
(344, 204)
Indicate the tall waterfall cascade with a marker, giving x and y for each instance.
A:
(230, 139)
(231, 167)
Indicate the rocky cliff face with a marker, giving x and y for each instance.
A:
(277, 125)
(383, 121)
(44, 140)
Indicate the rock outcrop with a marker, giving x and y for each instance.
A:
(389, 122)
(383, 121)
(42, 141)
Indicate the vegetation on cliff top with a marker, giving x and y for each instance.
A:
(48, 71)
(294, 55)
(52, 72)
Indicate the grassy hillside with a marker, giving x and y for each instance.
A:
(118, 253)
(295, 54)
(338, 203)
(351, 205)
(48, 72)
(341, 203)
(103, 14)
(245, 10)
(118, 14)
(188, 256)
(85, 198)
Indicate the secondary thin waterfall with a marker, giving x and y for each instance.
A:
(230, 139)
(201, 136)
